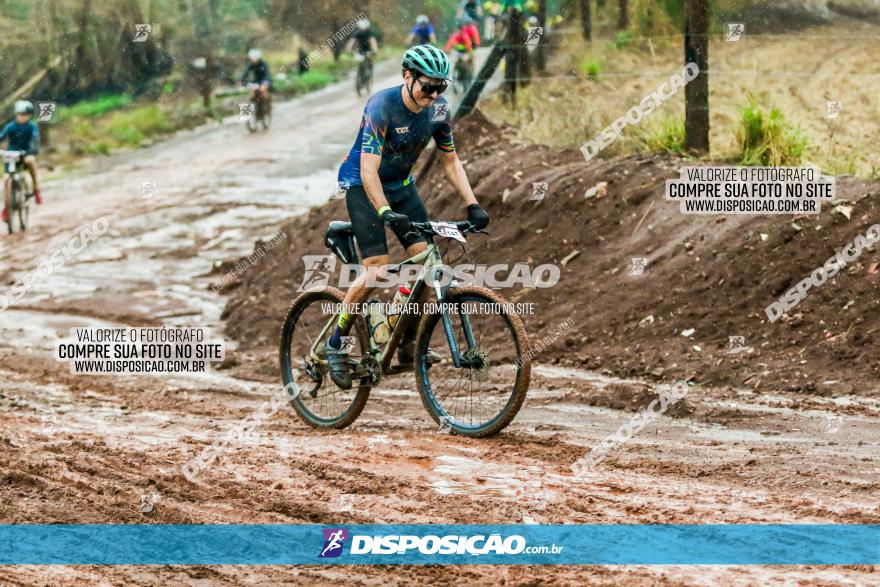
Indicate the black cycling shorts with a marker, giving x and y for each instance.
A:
(369, 230)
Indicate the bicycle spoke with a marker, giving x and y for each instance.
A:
(475, 397)
(329, 402)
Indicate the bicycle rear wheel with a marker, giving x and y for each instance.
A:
(480, 400)
(24, 209)
(320, 403)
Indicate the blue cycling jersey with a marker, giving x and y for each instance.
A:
(22, 137)
(390, 129)
(423, 33)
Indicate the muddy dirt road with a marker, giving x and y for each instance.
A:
(87, 449)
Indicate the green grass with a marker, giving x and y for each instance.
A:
(846, 162)
(309, 81)
(592, 66)
(133, 126)
(93, 108)
(765, 138)
(99, 148)
(623, 39)
(667, 136)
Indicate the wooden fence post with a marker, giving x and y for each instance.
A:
(696, 93)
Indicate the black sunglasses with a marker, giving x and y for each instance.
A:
(431, 88)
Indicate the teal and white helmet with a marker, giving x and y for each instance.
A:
(427, 60)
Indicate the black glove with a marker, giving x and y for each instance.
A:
(399, 223)
(477, 216)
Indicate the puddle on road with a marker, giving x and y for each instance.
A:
(598, 379)
(277, 192)
(155, 264)
(154, 261)
(40, 330)
(459, 475)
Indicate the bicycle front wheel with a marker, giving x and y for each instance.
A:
(360, 80)
(266, 119)
(13, 202)
(252, 120)
(481, 397)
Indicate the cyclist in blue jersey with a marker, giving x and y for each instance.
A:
(396, 126)
(423, 33)
(22, 134)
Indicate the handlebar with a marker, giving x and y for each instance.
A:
(12, 155)
(426, 228)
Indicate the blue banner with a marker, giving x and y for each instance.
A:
(281, 544)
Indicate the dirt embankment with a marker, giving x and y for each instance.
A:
(783, 15)
(711, 275)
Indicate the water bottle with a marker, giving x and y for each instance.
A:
(379, 323)
(399, 299)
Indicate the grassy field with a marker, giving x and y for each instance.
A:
(778, 85)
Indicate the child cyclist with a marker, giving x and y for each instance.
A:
(22, 134)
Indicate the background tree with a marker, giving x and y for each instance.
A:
(541, 52)
(586, 20)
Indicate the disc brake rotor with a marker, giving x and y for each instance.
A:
(481, 357)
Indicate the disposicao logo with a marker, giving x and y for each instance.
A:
(334, 542)
(405, 544)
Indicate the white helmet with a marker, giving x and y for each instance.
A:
(254, 54)
(363, 24)
(24, 107)
(422, 19)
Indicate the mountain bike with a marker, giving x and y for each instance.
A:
(364, 78)
(477, 386)
(16, 190)
(464, 74)
(262, 110)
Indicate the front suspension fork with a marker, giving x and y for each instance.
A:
(457, 359)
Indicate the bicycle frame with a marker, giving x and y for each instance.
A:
(432, 264)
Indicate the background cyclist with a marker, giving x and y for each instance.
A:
(22, 134)
(423, 33)
(257, 72)
(364, 39)
(469, 26)
(470, 9)
(461, 46)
